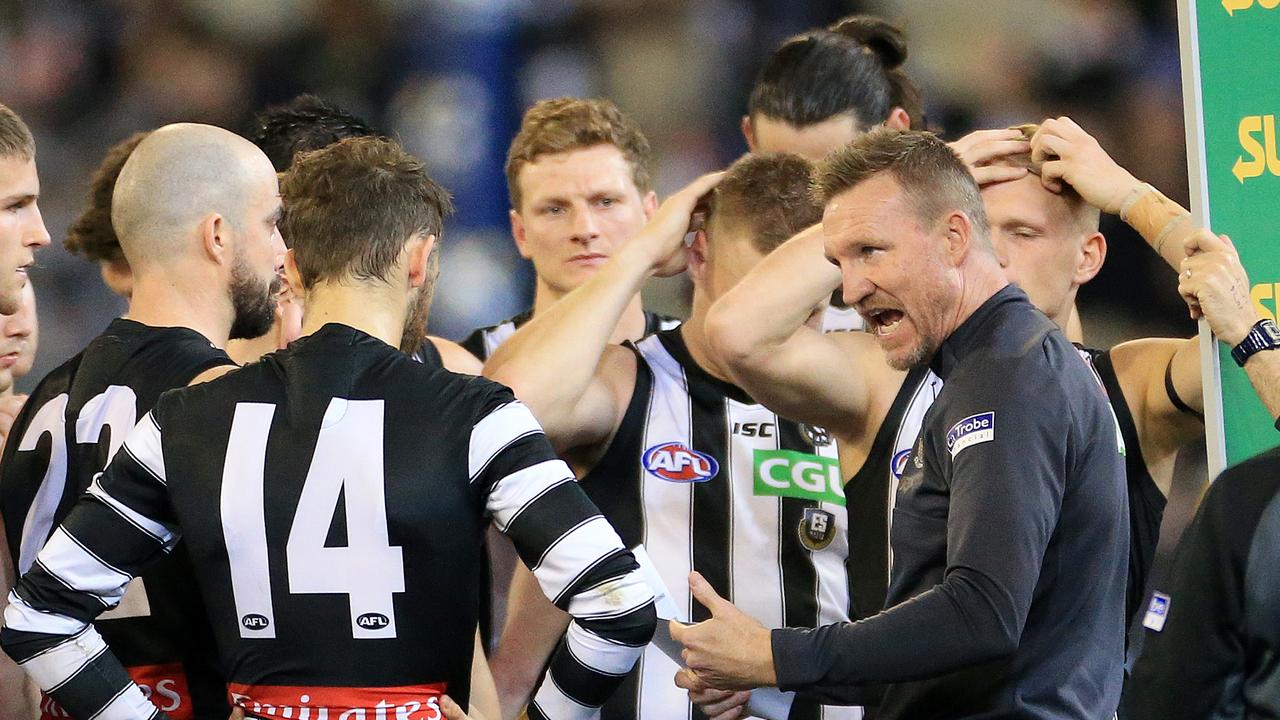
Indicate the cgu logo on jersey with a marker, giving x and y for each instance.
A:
(676, 462)
(408, 702)
(788, 473)
(164, 685)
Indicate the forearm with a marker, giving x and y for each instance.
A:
(945, 629)
(775, 299)
(1263, 370)
(551, 361)
(484, 703)
(1163, 223)
(533, 628)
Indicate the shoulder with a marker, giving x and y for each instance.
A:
(1251, 484)
(453, 356)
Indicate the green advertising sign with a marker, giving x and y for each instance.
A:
(1231, 94)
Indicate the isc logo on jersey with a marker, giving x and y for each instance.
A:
(789, 473)
(676, 462)
(972, 430)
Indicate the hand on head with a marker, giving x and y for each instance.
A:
(1067, 154)
(982, 150)
(662, 240)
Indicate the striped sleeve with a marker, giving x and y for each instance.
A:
(114, 530)
(577, 558)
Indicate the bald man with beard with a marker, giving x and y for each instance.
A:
(195, 209)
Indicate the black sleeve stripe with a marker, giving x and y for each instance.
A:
(87, 605)
(119, 545)
(625, 629)
(548, 518)
(581, 683)
(112, 700)
(520, 452)
(590, 626)
(98, 494)
(23, 639)
(142, 465)
(92, 554)
(505, 528)
(548, 547)
(588, 669)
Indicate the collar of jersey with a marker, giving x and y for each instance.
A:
(673, 341)
(973, 332)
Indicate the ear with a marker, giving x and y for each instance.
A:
(960, 237)
(293, 276)
(1093, 253)
(517, 233)
(696, 256)
(214, 238)
(898, 119)
(650, 205)
(748, 133)
(419, 256)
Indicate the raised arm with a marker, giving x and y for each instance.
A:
(759, 330)
(118, 526)
(1160, 377)
(552, 362)
(578, 560)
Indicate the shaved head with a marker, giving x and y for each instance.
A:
(176, 178)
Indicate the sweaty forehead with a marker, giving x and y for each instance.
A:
(868, 208)
(583, 172)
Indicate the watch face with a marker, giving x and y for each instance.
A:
(1271, 333)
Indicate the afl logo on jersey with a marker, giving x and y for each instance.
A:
(254, 621)
(899, 464)
(817, 528)
(373, 621)
(675, 462)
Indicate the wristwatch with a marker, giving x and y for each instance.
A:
(1264, 335)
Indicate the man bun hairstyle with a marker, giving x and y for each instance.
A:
(853, 67)
(930, 174)
(92, 235)
(307, 122)
(768, 197)
(15, 137)
(565, 124)
(349, 209)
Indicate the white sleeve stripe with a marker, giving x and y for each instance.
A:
(143, 465)
(603, 606)
(54, 668)
(143, 445)
(537, 564)
(19, 615)
(519, 490)
(128, 704)
(97, 652)
(575, 554)
(144, 524)
(67, 557)
(480, 472)
(106, 604)
(599, 655)
(496, 431)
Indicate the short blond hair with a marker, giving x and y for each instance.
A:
(564, 124)
(15, 137)
(1085, 215)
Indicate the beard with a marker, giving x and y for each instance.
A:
(415, 323)
(253, 300)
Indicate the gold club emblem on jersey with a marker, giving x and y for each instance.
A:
(817, 528)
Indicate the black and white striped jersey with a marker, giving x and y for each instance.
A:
(333, 498)
(482, 342)
(74, 422)
(706, 479)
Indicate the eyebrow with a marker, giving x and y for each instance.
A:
(276, 214)
(19, 197)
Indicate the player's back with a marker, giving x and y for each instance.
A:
(73, 423)
(326, 495)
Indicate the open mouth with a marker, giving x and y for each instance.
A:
(883, 321)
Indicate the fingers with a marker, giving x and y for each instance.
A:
(1051, 174)
(992, 174)
(705, 594)
(679, 631)
(237, 713)
(1046, 146)
(687, 679)
(451, 709)
(721, 704)
(979, 137)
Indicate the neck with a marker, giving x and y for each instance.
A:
(694, 333)
(979, 282)
(158, 301)
(1068, 318)
(630, 325)
(376, 310)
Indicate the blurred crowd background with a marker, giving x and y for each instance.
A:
(450, 79)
